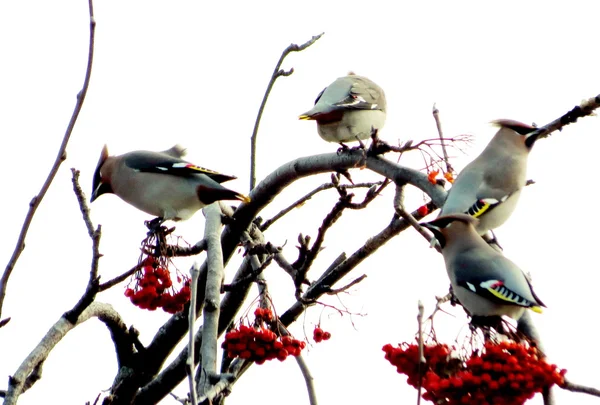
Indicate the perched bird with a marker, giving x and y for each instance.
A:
(348, 110)
(489, 187)
(161, 183)
(484, 281)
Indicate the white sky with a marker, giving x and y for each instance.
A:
(194, 73)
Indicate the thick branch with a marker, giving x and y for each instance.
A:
(60, 157)
(586, 108)
(104, 312)
(212, 296)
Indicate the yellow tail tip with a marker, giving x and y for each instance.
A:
(244, 198)
(537, 310)
(304, 117)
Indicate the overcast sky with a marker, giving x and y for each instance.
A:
(194, 73)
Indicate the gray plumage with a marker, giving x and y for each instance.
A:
(160, 183)
(489, 187)
(484, 281)
(348, 109)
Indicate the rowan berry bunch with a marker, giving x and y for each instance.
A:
(259, 343)
(319, 334)
(505, 373)
(153, 287)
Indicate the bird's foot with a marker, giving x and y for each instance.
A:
(377, 147)
(343, 148)
(346, 174)
(155, 226)
(493, 241)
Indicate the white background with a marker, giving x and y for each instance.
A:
(194, 73)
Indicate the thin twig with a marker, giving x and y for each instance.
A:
(94, 280)
(304, 199)
(438, 124)
(60, 157)
(277, 72)
(248, 278)
(328, 222)
(336, 291)
(422, 360)
(570, 386)
(410, 217)
(195, 270)
(118, 279)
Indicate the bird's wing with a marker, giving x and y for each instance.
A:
(465, 198)
(496, 279)
(363, 95)
(155, 162)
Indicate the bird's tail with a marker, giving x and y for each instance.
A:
(209, 195)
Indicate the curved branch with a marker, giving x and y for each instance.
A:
(277, 72)
(104, 312)
(264, 226)
(60, 157)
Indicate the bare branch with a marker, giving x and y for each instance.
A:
(585, 109)
(302, 200)
(422, 359)
(94, 280)
(570, 386)
(328, 221)
(16, 385)
(308, 378)
(182, 251)
(526, 326)
(399, 206)
(212, 298)
(277, 72)
(347, 286)
(190, 363)
(438, 124)
(118, 279)
(60, 157)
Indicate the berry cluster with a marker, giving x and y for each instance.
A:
(260, 344)
(506, 373)
(432, 176)
(154, 288)
(319, 335)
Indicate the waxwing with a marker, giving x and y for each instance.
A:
(348, 110)
(484, 281)
(160, 183)
(489, 187)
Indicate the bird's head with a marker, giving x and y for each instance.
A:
(101, 184)
(442, 227)
(519, 132)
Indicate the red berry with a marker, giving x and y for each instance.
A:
(423, 210)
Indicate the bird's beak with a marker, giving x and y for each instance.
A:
(102, 188)
(438, 237)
